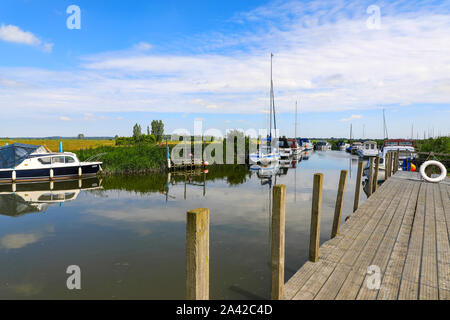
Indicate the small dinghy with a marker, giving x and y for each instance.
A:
(29, 163)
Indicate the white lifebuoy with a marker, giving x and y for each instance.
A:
(433, 163)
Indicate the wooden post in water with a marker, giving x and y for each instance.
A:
(388, 166)
(370, 178)
(278, 241)
(339, 204)
(315, 218)
(375, 178)
(358, 185)
(396, 159)
(197, 254)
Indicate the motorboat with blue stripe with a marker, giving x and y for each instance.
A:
(28, 163)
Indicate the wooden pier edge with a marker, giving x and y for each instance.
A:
(398, 236)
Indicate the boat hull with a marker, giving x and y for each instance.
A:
(43, 174)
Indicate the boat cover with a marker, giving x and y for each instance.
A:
(14, 154)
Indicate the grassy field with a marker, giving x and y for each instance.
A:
(68, 144)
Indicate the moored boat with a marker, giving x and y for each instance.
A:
(295, 148)
(284, 148)
(305, 143)
(268, 152)
(368, 149)
(322, 146)
(355, 147)
(28, 163)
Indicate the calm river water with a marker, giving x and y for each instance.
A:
(127, 234)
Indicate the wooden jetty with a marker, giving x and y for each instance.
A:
(394, 246)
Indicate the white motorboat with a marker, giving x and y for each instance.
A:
(368, 149)
(28, 163)
(322, 146)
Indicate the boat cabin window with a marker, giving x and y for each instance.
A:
(70, 160)
(46, 160)
(57, 159)
(372, 146)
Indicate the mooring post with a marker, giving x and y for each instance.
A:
(396, 159)
(375, 178)
(315, 218)
(197, 254)
(358, 185)
(387, 166)
(339, 204)
(370, 178)
(278, 241)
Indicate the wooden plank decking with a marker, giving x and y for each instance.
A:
(403, 229)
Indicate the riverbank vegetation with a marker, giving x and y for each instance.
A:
(138, 158)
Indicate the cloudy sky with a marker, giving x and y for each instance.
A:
(135, 61)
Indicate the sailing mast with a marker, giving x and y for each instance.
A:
(385, 132)
(295, 120)
(272, 104)
(351, 140)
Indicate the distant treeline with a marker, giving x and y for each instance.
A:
(56, 138)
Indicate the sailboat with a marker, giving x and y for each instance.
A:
(268, 153)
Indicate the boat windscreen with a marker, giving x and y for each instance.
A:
(14, 154)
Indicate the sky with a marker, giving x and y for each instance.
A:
(118, 63)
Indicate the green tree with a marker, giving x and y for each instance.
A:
(137, 131)
(80, 136)
(158, 129)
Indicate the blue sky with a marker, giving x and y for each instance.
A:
(135, 61)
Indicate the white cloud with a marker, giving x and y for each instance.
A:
(324, 54)
(11, 33)
(352, 117)
(64, 118)
(143, 46)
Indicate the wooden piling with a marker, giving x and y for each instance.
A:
(339, 204)
(358, 185)
(197, 254)
(278, 241)
(396, 159)
(377, 169)
(315, 218)
(370, 178)
(387, 165)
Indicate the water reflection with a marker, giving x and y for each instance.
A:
(20, 199)
(127, 233)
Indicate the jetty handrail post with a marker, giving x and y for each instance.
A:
(316, 211)
(370, 178)
(358, 185)
(197, 254)
(278, 241)
(339, 204)
(377, 169)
